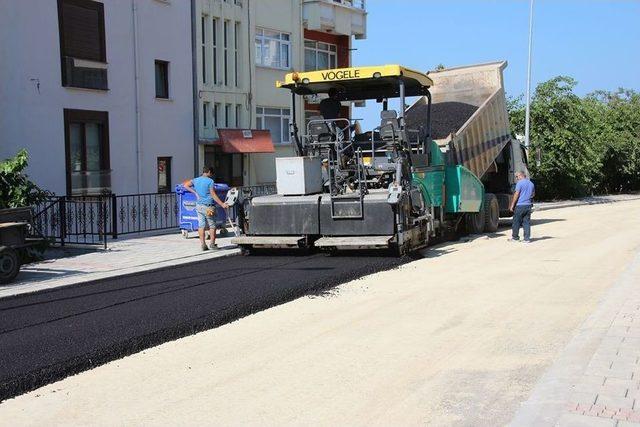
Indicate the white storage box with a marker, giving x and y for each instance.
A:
(298, 175)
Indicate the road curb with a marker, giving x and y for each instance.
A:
(582, 202)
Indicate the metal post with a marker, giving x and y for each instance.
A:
(114, 216)
(293, 128)
(103, 206)
(428, 135)
(401, 87)
(63, 219)
(528, 107)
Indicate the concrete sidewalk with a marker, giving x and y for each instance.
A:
(67, 266)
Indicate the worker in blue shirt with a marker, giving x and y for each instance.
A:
(204, 189)
(521, 206)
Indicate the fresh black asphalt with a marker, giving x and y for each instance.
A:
(49, 335)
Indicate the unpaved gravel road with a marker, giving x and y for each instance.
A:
(457, 338)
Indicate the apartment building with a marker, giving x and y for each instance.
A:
(99, 92)
(242, 48)
(328, 30)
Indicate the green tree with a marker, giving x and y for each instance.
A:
(567, 131)
(619, 138)
(16, 190)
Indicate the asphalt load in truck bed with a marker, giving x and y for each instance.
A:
(446, 117)
(49, 335)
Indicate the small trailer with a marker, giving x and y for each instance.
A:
(14, 225)
(445, 163)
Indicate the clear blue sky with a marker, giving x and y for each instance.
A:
(597, 42)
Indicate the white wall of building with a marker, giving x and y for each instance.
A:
(164, 33)
(284, 16)
(32, 97)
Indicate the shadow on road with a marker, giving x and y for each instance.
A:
(535, 221)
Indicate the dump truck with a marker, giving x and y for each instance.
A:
(444, 164)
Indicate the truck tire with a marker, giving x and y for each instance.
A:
(474, 222)
(9, 264)
(491, 213)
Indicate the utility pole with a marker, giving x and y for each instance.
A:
(528, 108)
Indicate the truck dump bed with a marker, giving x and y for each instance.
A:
(468, 114)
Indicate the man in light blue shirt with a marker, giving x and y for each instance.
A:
(521, 206)
(204, 189)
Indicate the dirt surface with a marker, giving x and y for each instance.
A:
(446, 117)
(51, 334)
(457, 338)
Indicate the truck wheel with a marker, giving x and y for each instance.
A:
(9, 265)
(475, 222)
(491, 213)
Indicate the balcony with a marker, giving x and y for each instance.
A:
(340, 17)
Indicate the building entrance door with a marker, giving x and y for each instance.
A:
(228, 168)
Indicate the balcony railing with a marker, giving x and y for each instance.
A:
(341, 17)
(358, 4)
(90, 182)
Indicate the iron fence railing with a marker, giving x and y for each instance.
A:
(72, 220)
(91, 220)
(138, 213)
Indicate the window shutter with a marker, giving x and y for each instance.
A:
(83, 30)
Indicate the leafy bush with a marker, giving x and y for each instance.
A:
(589, 145)
(15, 188)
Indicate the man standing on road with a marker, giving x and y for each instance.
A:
(521, 207)
(204, 189)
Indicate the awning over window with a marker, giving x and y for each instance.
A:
(244, 141)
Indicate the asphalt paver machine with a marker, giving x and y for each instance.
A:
(391, 187)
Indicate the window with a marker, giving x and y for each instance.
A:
(272, 48)
(276, 120)
(319, 56)
(162, 79)
(82, 44)
(82, 29)
(205, 114)
(216, 112)
(87, 151)
(215, 50)
(236, 43)
(164, 174)
(227, 115)
(238, 115)
(226, 54)
(203, 28)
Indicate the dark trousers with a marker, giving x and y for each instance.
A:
(521, 218)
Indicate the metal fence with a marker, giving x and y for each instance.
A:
(91, 220)
(138, 213)
(70, 220)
